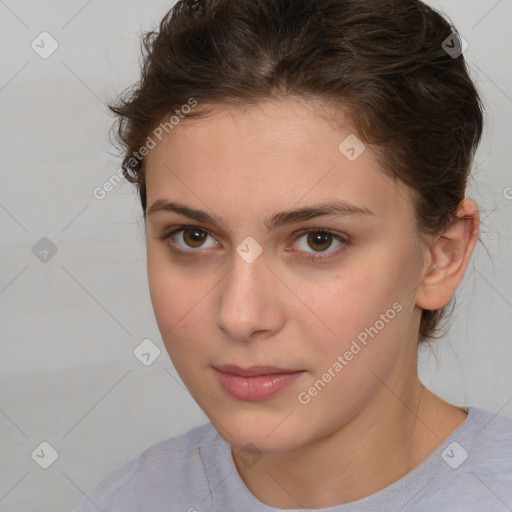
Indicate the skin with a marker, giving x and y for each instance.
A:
(374, 421)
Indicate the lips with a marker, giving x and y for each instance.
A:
(255, 382)
(252, 371)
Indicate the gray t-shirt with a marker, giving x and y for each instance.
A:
(195, 472)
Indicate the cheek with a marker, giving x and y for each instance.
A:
(175, 296)
(354, 301)
(335, 307)
(365, 310)
(161, 282)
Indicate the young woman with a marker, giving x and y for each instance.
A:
(302, 167)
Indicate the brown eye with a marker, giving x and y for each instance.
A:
(194, 237)
(316, 244)
(319, 240)
(313, 243)
(188, 238)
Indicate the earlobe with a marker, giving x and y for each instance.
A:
(449, 256)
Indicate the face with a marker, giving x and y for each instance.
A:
(312, 305)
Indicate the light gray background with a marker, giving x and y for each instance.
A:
(69, 326)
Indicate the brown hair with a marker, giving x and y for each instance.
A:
(383, 60)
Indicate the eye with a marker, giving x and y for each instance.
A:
(190, 237)
(187, 240)
(320, 240)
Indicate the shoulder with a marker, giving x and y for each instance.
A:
(170, 471)
(488, 439)
(474, 465)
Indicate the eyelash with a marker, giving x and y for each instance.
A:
(315, 257)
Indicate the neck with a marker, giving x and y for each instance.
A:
(383, 442)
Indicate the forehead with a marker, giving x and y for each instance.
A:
(268, 157)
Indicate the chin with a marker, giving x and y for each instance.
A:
(257, 432)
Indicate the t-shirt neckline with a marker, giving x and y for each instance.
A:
(393, 497)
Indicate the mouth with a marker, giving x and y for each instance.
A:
(256, 382)
(253, 371)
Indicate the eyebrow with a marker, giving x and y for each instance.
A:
(334, 208)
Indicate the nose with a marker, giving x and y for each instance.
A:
(249, 300)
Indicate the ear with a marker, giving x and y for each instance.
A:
(448, 257)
